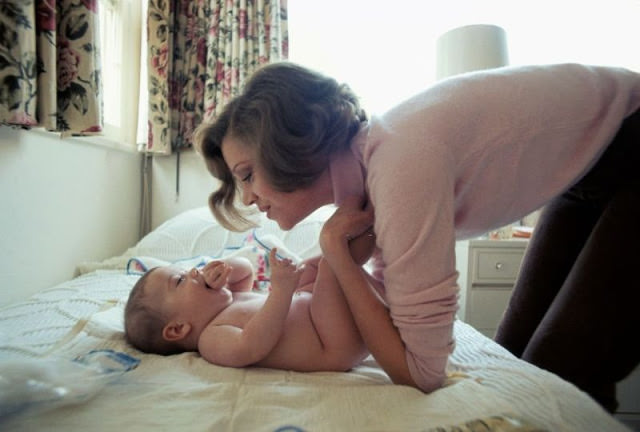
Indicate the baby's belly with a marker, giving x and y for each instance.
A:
(299, 347)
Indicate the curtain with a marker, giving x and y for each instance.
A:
(50, 65)
(199, 55)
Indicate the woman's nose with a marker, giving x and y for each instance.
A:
(248, 197)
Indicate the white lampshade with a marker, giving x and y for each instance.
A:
(470, 48)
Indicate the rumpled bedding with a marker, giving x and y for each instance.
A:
(487, 388)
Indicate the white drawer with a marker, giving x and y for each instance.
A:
(491, 266)
(629, 393)
(485, 306)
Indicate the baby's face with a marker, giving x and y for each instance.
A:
(186, 292)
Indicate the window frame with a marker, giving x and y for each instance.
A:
(125, 55)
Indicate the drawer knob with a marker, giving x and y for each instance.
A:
(499, 265)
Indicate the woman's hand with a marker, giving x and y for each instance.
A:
(349, 221)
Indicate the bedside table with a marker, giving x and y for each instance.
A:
(487, 273)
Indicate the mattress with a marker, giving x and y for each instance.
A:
(50, 378)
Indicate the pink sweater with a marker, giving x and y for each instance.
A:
(470, 154)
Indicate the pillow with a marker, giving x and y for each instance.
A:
(255, 252)
(301, 241)
(195, 233)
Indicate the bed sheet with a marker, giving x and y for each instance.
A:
(486, 387)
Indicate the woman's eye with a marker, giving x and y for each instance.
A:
(248, 177)
(181, 279)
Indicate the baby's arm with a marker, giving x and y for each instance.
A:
(228, 345)
(241, 276)
(236, 272)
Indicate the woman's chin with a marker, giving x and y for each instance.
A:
(285, 226)
(289, 222)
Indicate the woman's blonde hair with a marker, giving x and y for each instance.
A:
(294, 118)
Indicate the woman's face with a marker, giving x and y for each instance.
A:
(285, 208)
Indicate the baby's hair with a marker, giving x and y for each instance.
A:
(143, 324)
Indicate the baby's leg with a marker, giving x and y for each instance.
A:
(309, 274)
(362, 247)
(331, 316)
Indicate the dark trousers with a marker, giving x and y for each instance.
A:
(575, 309)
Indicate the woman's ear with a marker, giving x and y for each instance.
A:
(176, 330)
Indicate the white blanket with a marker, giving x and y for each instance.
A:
(184, 392)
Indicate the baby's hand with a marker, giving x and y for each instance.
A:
(285, 275)
(216, 274)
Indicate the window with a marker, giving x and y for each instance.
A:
(120, 39)
(386, 51)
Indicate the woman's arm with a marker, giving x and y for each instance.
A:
(371, 315)
(228, 345)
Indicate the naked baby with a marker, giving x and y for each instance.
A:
(302, 324)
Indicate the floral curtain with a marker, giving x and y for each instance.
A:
(200, 53)
(50, 65)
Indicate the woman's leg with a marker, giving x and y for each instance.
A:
(589, 334)
(573, 310)
(560, 234)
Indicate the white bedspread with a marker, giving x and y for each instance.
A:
(184, 392)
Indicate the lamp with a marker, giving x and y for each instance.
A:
(470, 48)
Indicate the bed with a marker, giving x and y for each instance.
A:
(64, 364)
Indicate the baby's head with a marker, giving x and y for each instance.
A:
(169, 307)
(144, 319)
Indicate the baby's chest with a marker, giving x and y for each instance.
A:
(238, 314)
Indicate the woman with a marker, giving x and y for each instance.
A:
(467, 155)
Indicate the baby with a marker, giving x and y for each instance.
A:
(303, 324)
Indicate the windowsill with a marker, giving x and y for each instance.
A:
(97, 140)
(106, 142)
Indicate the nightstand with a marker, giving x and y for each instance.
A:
(488, 271)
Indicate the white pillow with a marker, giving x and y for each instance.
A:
(195, 232)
